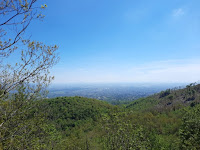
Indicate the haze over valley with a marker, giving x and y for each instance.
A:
(114, 93)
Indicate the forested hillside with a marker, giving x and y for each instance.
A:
(167, 120)
(170, 99)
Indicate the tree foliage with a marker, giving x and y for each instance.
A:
(34, 58)
(190, 130)
(21, 124)
(15, 17)
(24, 78)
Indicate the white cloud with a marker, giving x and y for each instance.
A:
(178, 12)
(185, 71)
(168, 71)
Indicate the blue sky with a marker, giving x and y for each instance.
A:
(123, 41)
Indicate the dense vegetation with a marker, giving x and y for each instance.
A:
(167, 120)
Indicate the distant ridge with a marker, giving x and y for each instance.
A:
(170, 99)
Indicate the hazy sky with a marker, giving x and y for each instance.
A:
(123, 41)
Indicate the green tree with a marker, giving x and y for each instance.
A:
(21, 126)
(21, 123)
(190, 130)
(121, 133)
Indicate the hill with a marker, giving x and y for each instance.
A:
(167, 120)
(75, 120)
(170, 99)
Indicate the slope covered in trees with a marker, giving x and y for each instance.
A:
(167, 120)
(170, 99)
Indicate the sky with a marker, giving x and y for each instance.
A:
(122, 41)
